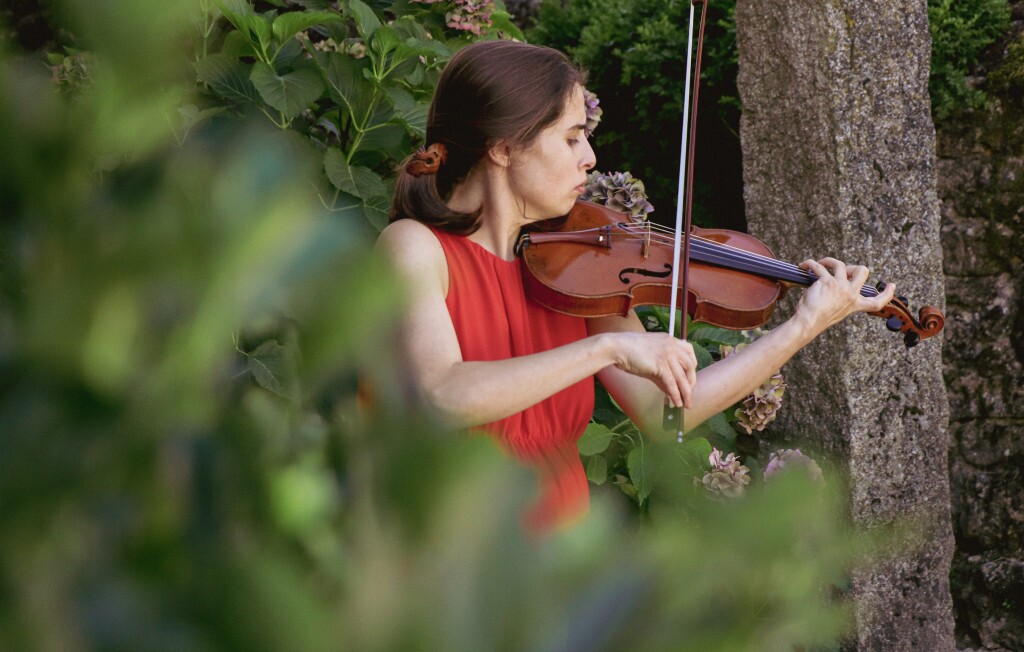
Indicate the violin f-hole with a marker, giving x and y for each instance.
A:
(644, 272)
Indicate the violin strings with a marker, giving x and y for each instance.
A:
(757, 261)
(725, 254)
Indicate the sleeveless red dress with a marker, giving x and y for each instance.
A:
(494, 320)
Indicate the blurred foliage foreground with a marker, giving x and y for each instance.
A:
(164, 485)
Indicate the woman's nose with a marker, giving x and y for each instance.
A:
(589, 158)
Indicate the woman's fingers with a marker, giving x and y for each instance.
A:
(682, 382)
(669, 362)
(884, 297)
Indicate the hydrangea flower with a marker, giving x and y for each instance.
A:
(473, 16)
(760, 408)
(618, 191)
(727, 476)
(792, 458)
(594, 112)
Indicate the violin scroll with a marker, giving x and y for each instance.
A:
(899, 319)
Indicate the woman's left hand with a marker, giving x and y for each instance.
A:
(836, 294)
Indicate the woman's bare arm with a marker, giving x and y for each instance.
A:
(474, 393)
(831, 299)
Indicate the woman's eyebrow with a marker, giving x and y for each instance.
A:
(575, 127)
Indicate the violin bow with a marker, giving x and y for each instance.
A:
(672, 418)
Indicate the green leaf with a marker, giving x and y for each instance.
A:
(703, 355)
(290, 93)
(228, 77)
(366, 21)
(694, 452)
(416, 47)
(712, 334)
(288, 25)
(191, 116)
(401, 99)
(384, 41)
(716, 428)
(237, 45)
(640, 472)
(289, 55)
(408, 27)
(416, 119)
(353, 179)
(597, 470)
(268, 364)
(386, 138)
(346, 82)
(502, 21)
(719, 424)
(595, 439)
(236, 10)
(376, 211)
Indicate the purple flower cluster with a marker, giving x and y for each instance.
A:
(792, 458)
(594, 112)
(473, 16)
(727, 476)
(618, 191)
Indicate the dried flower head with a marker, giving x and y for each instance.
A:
(618, 191)
(760, 408)
(792, 458)
(727, 476)
(594, 112)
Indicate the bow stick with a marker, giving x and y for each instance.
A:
(672, 418)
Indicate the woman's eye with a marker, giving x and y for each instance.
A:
(574, 141)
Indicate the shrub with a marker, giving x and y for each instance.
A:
(960, 33)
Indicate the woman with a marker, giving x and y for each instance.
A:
(507, 148)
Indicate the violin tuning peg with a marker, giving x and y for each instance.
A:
(904, 301)
(880, 286)
(911, 339)
(894, 324)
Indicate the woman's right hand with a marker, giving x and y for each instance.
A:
(665, 360)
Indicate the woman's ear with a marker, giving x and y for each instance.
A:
(500, 155)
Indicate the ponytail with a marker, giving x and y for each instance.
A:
(417, 197)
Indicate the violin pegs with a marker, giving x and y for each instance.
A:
(911, 339)
(895, 324)
(905, 301)
(880, 286)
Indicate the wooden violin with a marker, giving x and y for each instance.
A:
(598, 262)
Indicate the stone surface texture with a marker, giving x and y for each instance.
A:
(981, 186)
(839, 160)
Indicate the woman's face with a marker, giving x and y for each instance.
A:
(550, 173)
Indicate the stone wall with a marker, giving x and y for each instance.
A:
(981, 185)
(839, 150)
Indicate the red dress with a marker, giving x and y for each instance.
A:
(494, 320)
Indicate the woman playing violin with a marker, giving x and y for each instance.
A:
(507, 147)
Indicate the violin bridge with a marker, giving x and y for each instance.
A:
(646, 250)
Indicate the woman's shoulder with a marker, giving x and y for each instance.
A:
(414, 249)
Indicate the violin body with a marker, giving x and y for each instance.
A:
(587, 279)
(596, 262)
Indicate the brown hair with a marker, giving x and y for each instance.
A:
(490, 91)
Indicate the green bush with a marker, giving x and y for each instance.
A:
(354, 85)
(960, 33)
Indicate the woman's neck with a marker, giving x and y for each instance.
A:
(502, 215)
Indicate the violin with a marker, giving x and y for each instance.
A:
(597, 262)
